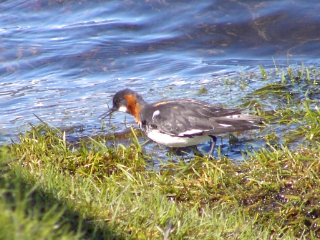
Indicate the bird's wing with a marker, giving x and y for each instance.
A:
(189, 117)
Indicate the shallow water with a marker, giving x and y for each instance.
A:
(63, 60)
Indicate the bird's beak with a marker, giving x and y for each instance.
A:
(112, 110)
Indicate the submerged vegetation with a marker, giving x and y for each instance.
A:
(50, 189)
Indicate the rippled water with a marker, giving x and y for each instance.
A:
(63, 60)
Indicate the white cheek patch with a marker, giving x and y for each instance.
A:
(156, 113)
(123, 109)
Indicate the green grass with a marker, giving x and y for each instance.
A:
(53, 189)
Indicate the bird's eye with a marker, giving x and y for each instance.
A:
(116, 102)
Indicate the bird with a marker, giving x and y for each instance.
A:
(182, 122)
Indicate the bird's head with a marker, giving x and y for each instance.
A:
(127, 101)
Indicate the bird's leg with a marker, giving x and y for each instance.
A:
(213, 144)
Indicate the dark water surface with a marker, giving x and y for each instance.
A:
(63, 60)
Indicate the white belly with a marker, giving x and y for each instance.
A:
(172, 141)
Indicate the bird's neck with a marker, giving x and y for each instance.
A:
(135, 107)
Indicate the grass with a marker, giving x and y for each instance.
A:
(53, 189)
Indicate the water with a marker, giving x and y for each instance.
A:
(63, 60)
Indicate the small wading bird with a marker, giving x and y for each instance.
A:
(182, 122)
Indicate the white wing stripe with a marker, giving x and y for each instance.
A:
(225, 125)
(191, 132)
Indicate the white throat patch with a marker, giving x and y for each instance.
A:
(123, 109)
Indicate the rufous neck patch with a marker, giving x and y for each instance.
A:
(133, 106)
